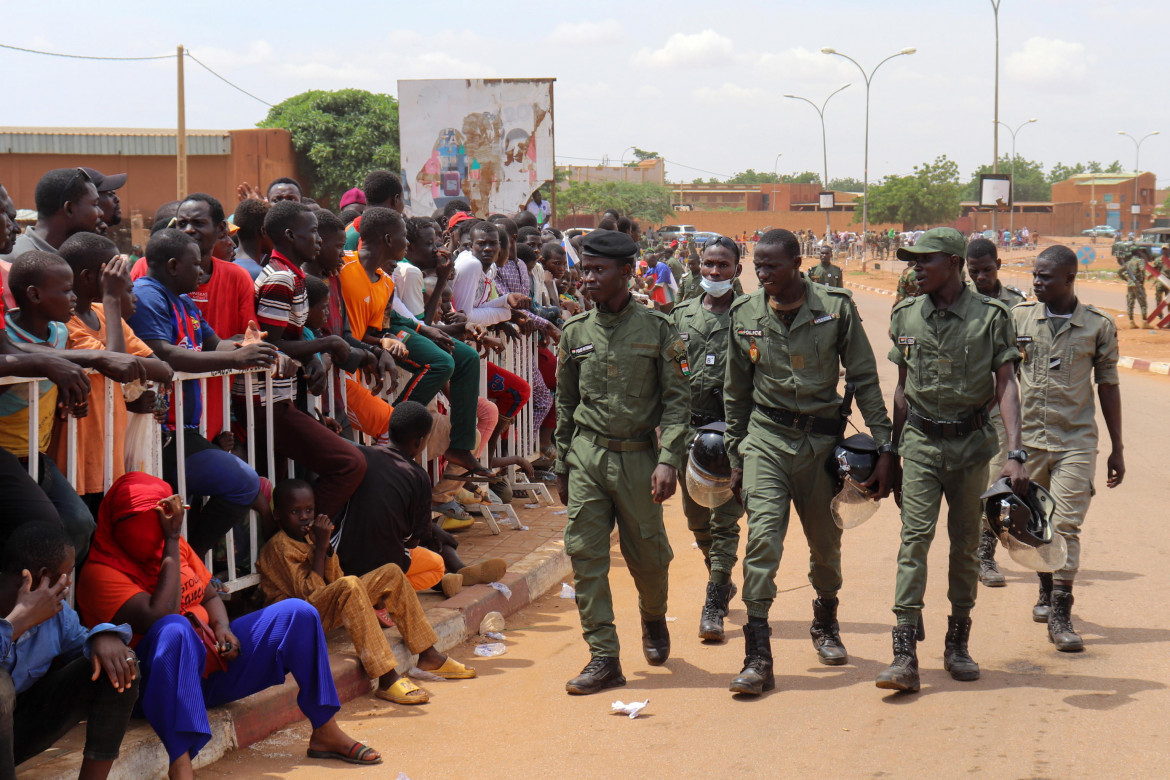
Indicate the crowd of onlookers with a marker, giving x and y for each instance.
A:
(374, 328)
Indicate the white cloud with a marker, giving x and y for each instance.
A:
(1047, 60)
(604, 33)
(682, 50)
(729, 94)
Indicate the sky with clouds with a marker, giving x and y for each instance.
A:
(701, 83)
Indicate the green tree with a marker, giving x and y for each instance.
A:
(1031, 183)
(647, 202)
(847, 184)
(752, 176)
(641, 155)
(339, 136)
(929, 196)
(1060, 171)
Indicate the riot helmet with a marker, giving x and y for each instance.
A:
(1024, 525)
(852, 463)
(708, 477)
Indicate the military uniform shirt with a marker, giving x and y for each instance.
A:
(1008, 296)
(705, 335)
(798, 368)
(828, 275)
(950, 357)
(1133, 272)
(1056, 392)
(622, 375)
(907, 285)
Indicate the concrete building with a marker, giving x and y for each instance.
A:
(217, 161)
(1109, 198)
(652, 171)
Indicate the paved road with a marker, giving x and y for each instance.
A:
(1034, 712)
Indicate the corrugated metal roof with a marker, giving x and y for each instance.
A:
(110, 140)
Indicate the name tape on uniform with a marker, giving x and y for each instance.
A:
(747, 332)
(826, 318)
(584, 349)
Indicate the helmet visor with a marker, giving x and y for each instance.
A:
(851, 506)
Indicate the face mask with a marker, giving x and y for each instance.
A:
(715, 289)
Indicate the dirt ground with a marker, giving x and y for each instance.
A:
(1033, 713)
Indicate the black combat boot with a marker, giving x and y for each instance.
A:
(714, 610)
(988, 571)
(756, 676)
(956, 659)
(655, 641)
(826, 636)
(1060, 627)
(1043, 606)
(902, 674)
(600, 673)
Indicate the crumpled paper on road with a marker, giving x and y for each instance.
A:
(632, 709)
(502, 588)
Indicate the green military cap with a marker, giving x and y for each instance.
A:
(609, 243)
(940, 239)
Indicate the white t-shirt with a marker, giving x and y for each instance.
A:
(542, 210)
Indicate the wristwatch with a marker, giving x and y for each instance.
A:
(1020, 456)
(889, 448)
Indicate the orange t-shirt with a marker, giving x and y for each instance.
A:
(91, 428)
(365, 301)
(102, 590)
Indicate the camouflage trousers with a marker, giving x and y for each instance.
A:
(1137, 294)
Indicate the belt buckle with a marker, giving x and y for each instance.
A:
(810, 421)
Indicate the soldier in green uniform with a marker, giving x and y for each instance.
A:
(983, 266)
(690, 285)
(788, 341)
(907, 286)
(825, 272)
(1162, 280)
(622, 375)
(702, 325)
(1133, 273)
(956, 356)
(1067, 346)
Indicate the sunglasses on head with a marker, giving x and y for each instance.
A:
(724, 242)
(77, 174)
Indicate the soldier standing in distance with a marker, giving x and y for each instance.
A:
(983, 266)
(825, 272)
(956, 357)
(622, 375)
(1067, 346)
(1162, 266)
(788, 342)
(702, 323)
(1133, 273)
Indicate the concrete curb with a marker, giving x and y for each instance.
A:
(243, 723)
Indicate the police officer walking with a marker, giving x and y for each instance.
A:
(1067, 347)
(983, 266)
(702, 324)
(825, 272)
(622, 375)
(788, 341)
(956, 357)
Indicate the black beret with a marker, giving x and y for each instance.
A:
(609, 243)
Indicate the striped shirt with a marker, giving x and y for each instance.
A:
(282, 306)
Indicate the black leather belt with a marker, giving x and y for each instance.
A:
(948, 429)
(807, 423)
(618, 445)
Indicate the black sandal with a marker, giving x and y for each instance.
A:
(357, 754)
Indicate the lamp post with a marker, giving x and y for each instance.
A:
(865, 182)
(776, 175)
(1136, 172)
(824, 141)
(995, 118)
(1012, 218)
(622, 163)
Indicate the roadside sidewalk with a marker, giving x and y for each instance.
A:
(536, 563)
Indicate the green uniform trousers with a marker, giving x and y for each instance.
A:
(1135, 295)
(923, 488)
(716, 532)
(431, 367)
(606, 488)
(772, 481)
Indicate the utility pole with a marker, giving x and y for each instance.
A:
(181, 133)
(995, 135)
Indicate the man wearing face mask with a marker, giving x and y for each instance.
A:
(702, 323)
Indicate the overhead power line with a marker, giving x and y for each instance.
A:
(193, 58)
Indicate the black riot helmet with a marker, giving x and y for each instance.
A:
(853, 459)
(1024, 525)
(708, 472)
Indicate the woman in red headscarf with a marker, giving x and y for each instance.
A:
(142, 572)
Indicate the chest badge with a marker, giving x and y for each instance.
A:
(684, 366)
(582, 350)
(754, 352)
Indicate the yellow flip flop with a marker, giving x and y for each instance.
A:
(453, 670)
(404, 692)
(455, 524)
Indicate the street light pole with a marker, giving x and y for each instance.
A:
(1137, 162)
(824, 143)
(776, 175)
(622, 163)
(865, 182)
(995, 119)
(1012, 219)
